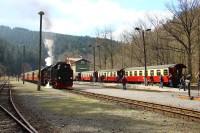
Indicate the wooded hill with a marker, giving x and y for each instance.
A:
(13, 40)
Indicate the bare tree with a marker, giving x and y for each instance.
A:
(111, 47)
(126, 49)
(198, 42)
(137, 53)
(98, 44)
(183, 25)
(158, 51)
(105, 48)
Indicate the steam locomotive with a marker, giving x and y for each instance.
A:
(59, 75)
(136, 74)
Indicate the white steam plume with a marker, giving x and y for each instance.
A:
(49, 45)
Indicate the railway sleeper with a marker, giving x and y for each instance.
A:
(165, 110)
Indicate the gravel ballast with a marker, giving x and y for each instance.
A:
(60, 111)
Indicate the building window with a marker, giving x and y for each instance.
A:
(82, 62)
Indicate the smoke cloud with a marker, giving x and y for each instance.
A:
(49, 45)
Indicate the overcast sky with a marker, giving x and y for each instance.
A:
(80, 17)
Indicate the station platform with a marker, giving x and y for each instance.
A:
(154, 94)
(155, 87)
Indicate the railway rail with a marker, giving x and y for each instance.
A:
(176, 112)
(12, 120)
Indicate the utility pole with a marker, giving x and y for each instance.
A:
(40, 47)
(145, 58)
(198, 80)
(19, 65)
(23, 65)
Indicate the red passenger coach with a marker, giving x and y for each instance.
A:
(108, 75)
(86, 76)
(136, 74)
(31, 76)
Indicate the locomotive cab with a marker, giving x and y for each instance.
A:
(177, 72)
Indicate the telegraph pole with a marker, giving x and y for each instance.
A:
(40, 47)
(198, 78)
(20, 63)
(145, 58)
(23, 66)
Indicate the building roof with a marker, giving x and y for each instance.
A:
(74, 60)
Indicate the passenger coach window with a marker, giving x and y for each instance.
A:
(114, 74)
(152, 72)
(130, 73)
(135, 73)
(158, 73)
(126, 73)
(140, 73)
(165, 72)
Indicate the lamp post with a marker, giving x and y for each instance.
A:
(40, 47)
(145, 58)
(23, 66)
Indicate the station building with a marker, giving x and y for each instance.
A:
(78, 64)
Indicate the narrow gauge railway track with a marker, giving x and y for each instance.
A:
(163, 109)
(2, 85)
(12, 120)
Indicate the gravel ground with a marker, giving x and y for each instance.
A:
(63, 112)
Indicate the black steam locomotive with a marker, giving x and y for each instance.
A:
(59, 75)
